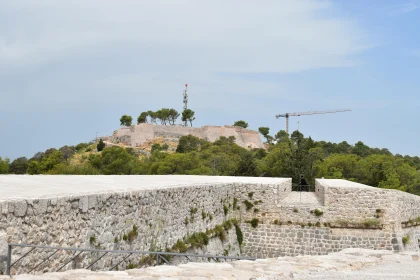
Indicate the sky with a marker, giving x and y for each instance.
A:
(70, 69)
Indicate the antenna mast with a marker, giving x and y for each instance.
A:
(185, 101)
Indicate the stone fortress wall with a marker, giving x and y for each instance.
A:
(172, 211)
(136, 135)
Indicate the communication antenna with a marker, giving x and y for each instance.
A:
(185, 101)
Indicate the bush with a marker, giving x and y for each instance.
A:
(318, 212)
(235, 203)
(101, 145)
(248, 205)
(220, 232)
(92, 239)
(225, 209)
(180, 246)
(371, 223)
(254, 222)
(406, 239)
(239, 234)
(295, 210)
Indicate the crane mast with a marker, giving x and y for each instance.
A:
(297, 114)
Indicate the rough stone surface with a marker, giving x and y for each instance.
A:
(98, 211)
(141, 133)
(347, 264)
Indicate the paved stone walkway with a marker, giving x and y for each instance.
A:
(301, 198)
(347, 264)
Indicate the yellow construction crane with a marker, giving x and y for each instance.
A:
(287, 115)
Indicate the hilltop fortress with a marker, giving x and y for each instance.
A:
(136, 135)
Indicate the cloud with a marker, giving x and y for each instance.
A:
(67, 51)
(405, 7)
(283, 36)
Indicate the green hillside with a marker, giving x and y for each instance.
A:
(285, 156)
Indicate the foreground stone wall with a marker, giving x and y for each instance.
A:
(268, 240)
(165, 214)
(142, 133)
(162, 216)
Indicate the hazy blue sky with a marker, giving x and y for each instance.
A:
(70, 69)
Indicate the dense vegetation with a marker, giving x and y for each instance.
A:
(286, 156)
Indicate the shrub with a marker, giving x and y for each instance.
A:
(318, 224)
(88, 149)
(256, 210)
(405, 239)
(254, 222)
(125, 237)
(371, 223)
(309, 224)
(180, 246)
(220, 232)
(235, 203)
(101, 145)
(132, 234)
(131, 266)
(116, 240)
(250, 194)
(198, 239)
(227, 225)
(239, 234)
(203, 214)
(343, 222)
(295, 210)
(248, 205)
(225, 209)
(277, 222)
(92, 239)
(318, 212)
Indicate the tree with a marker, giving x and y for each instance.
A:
(101, 145)
(19, 166)
(265, 131)
(282, 136)
(153, 116)
(361, 149)
(188, 115)
(4, 165)
(67, 152)
(142, 118)
(188, 144)
(173, 116)
(241, 123)
(126, 120)
(113, 160)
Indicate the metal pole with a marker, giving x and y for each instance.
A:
(9, 259)
(287, 123)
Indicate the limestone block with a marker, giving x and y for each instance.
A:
(40, 207)
(19, 208)
(3, 243)
(84, 204)
(92, 201)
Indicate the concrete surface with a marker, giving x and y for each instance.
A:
(13, 187)
(347, 264)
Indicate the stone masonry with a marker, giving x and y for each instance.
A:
(97, 211)
(138, 134)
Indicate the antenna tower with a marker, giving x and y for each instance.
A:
(185, 101)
